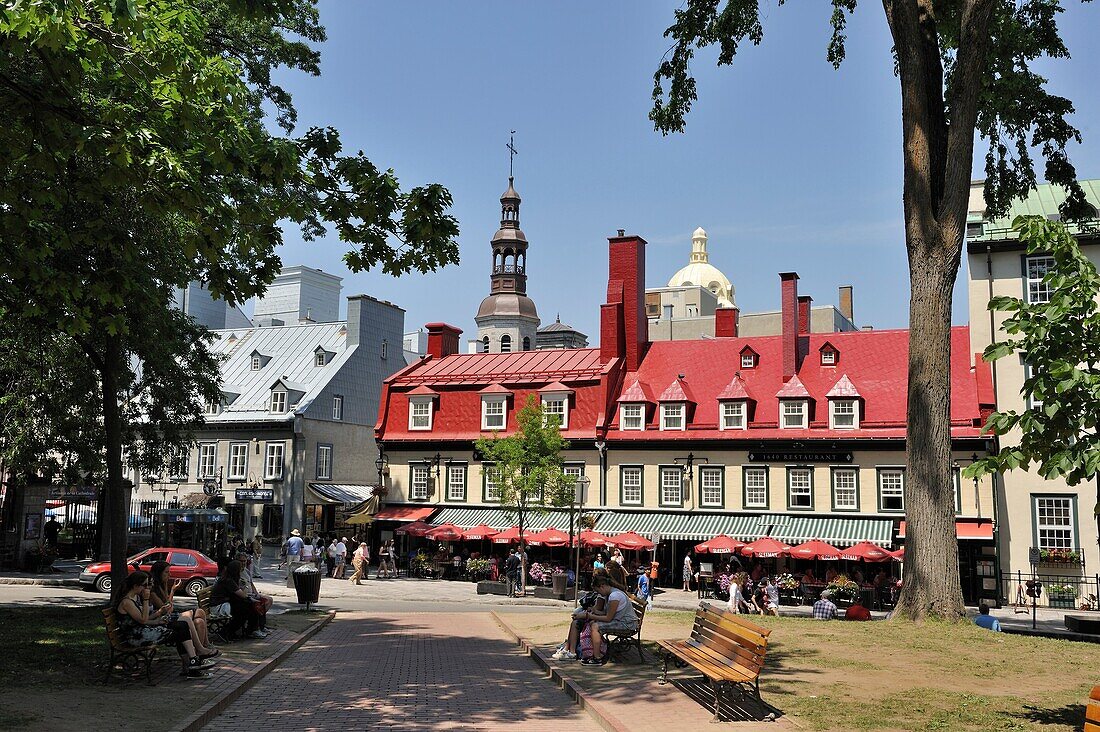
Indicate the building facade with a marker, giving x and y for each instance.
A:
(796, 435)
(1038, 515)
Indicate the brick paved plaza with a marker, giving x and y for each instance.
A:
(418, 671)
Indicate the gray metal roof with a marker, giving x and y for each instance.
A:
(290, 358)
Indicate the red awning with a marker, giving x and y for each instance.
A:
(548, 537)
(404, 513)
(979, 530)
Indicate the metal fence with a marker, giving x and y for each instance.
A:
(1060, 591)
(79, 537)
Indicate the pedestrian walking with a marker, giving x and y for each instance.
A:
(360, 561)
(294, 548)
(340, 556)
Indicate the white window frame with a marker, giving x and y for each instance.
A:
(785, 411)
(421, 413)
(324, 462)
(840, 410)
(732, 415)
(635, 484)
(828, 357)
(319, 358)
(1053, 533)
(756, 472)
(1035, 268)
(795, 478)
(279, 399)
(420, 481)
(177, 467)
(1030, 400)
(456, 476)
(208, 460)
(627, 417)
(338, 408)
(238, 460)
(492, 409)
(257, 363)
(748, 361)
(560, 407)
(711, 478)
(213, 409)
(844, 474)
(673, 411)
(385, 349)
(274, 457)
(672, 485)
(896, 492)
(492, 484)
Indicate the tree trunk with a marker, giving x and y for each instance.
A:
(117, 503)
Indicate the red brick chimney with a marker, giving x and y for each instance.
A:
(804, 314)
(725, 322)
(442, 339)
(626, 274)
(789, 281)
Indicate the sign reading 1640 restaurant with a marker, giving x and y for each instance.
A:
(255, 494)
(800, 456)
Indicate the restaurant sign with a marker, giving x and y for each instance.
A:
(800, 456)
(255, 494)
(72, 492)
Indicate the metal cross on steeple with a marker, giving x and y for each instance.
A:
(512, 151)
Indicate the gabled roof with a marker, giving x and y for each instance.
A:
(735, 389)
(826, 346)
(291, 385)
(677, 391)
(637, 391)
(495, 389)
(843, 389)
(563, 364)
(749, 349)
(423, 391)
(555, 388)
(793, 389)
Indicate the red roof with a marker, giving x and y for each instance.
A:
(573, 364)
(637, 391)
(843, 388)
(793, 389)
(735, 389)
(495, 389)
(555, 388)
(677, 391)
(423, 391)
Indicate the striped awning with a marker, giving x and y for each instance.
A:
(338, 493)
(499, 519)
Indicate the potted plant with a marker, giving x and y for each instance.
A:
(477, 569)
(788, 588)
(1062, 595)
(540, 574)
(1059, 556)
(842, 590)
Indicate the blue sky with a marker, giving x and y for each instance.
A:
(788, 164)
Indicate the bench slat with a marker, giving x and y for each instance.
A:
(731, 626)
(708, 628)
(1092, 714)
(1095, 693)
(715, 671)
(739, 619)
(750, 667)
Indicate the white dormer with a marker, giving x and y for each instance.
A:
(259, 360)
(321, 357)
(422, 408)
(675, 400)
(555, 403)
(284, 395)
(844, 403)
(494, 407)
(279, 399)
(794, 405)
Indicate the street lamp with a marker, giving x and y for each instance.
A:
(382, 465)
(686, 464)
(576, 498)
(434, 462)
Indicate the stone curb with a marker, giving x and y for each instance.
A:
(216, 706)
(578, 695)
(68, 582)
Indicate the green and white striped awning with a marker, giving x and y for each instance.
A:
(499, 519)
(837, 531)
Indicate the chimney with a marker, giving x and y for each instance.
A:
(442, 339)
(725, 322)
(626, 267)
(611, 332)
(789, 281)
(804, 314)
(846, 302)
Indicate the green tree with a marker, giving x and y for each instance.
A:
(138, 158)
(964, 67)
(527, 466)
(1060, 340)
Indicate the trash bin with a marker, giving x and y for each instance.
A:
(559, 581)
(307, 583)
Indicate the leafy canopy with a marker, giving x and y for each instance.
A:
(1060, 339)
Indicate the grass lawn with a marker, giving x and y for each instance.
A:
(898, 676)
(48, 645)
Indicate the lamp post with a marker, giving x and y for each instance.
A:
(686, 464)
(577, 498)
(382, 464)
(434, 462)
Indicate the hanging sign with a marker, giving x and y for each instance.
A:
(255, 494)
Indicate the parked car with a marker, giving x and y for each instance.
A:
(193, 568)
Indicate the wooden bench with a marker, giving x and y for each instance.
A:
(1092, 712)
(728, 650)
(128, 658)
(623, 642)
(215, 624)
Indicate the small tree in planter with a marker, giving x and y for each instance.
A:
(843, 590)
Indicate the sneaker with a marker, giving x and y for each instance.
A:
(256, 634)
(594, 661)
(199, 663)
(564, 655)
(195, 673)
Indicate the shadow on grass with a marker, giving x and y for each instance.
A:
(1071, 715)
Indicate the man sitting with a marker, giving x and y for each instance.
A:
(987, 621)
(857, 611)
(824, 609)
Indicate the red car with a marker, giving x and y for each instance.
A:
(193, 568)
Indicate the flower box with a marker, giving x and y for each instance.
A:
(1061, 600)
(1059, 556)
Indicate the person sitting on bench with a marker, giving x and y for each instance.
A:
(142, 626)
(617, 616)
(228, 590)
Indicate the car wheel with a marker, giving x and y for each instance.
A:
(195, 586)
(103, 583)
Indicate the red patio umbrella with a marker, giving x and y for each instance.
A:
(509, 535)
(765, 547)
(815, 549)
(549, 537)
(479, 532)
(445, 532)
(898, 555)
(416, 528)
(592, 538)
(630, 540)
(865, 551)
(720, 544)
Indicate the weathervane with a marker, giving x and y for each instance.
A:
(512, 151)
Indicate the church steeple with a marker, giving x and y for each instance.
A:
(509, 247)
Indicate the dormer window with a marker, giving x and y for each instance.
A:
(829, 355)
(794, 414)
(749, 358)
(632, 417)
(319, 358)
(278, 402)
(257, 363)
(494, 412)
(843, 414)
(732, 416)
(556, 406)
(672, 416)
(420, 413)
(213, 408)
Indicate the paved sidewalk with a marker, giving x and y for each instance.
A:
(415, 672)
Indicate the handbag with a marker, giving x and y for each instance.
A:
(258, 606)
